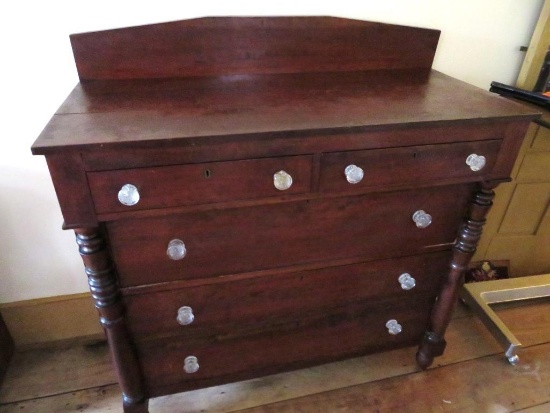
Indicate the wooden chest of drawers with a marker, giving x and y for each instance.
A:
(253, 195)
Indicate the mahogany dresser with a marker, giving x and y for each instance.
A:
(254, 195)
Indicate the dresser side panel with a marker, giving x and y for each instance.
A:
(71, 187)
(513, 137)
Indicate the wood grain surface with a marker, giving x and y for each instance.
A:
(112, 114)
(471, 352)
(221, 89)
(275, 236)
(266, 302)
(217, 46)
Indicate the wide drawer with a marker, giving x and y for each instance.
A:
(247, 239)
(260, 303)
(353, 330)
(406, 165)
(199, 183)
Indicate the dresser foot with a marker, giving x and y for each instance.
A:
(431, 347)
(132, 406)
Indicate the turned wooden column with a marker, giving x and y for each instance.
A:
(433, 343)
(106, 295)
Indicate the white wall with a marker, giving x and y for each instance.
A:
(479, 43)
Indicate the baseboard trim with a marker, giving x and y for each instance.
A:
(44, 321)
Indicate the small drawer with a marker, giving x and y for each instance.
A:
(267, 301)
(356, 170)
(231, 241)
(353, 330)
(179, 185)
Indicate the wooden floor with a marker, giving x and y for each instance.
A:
(471, 377)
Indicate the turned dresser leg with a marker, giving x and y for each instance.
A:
(433, 343)
(106, 295)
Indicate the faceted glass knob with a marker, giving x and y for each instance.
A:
(407, 282)
(422, 219)
(191, 364)
(185, 316)
(176, 249)
(128, 195)
(476, 162)
(354, 174)
(282, 180)
(394, 327)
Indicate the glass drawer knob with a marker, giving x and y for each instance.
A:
(354, 174)
(128, 195)
(407, 282)
(476, 162)
(185, 316)
(394, 327)
(191, 364)
(176, 249)
(422, 219)
(282, 180)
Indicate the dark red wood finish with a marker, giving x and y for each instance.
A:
(217, 46)
(463, 250)
(199, 115)
(269, 236)
(406, 165)
(71, 187)
(200, 183)
(106, 295)
(351, 330)
(264, 302)
(197, 111)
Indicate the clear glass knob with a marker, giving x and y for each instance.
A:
(191, 364)
(407, 281)
(185, 316)
(422, 219)
(354, 174)
(282, 180)
(176, 249)
(513, 360)
(475, 162)
(128, 195)
(394, 327)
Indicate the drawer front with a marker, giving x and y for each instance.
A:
(407, 165)
(180, 185)
(270, 236)
(352, 331)
(263, 302)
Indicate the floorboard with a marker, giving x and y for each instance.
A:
(461, 387)
(472, 376)
(43, 372)
(541, 408)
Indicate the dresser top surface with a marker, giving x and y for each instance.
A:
(120, 112)
(248, 77)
